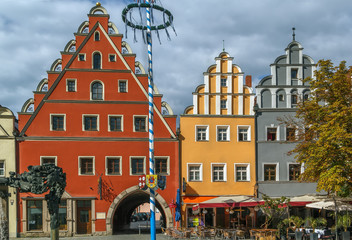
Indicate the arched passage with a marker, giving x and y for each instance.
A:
(122, 207)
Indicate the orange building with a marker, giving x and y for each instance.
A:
(90, 117)
(218, 148)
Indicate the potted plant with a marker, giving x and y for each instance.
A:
(344, 221)
(297, 222)
(282, 229)
(314, 223)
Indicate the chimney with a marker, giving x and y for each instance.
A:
(249, 80)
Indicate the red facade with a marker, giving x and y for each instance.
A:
(93, 122)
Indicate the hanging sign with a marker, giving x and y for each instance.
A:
(152, 181)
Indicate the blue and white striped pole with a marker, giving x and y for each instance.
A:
(151, 124)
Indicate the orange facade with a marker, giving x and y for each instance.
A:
(93, 123)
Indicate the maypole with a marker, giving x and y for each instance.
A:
(151, 178)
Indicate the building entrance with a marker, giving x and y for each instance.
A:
(84, 217)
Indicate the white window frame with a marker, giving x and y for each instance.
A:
(200, 172)
(53, 157)
(288, 170)
(277, 132)
(167, 162)
(248, 171)
(276, 173)
(118, 85)
(57, 115)
(146, 123)
(4, 163)
(91, 92)
(227, 132)
(212, 171)
(98, 35)
(144, 165)
(115, 115)
(206, 133)
(101, 60)
(79, 165)
(84, 57)
(90, 115)
(106, 165)
(221, 106)
(248, 127)
(71, 79)
(112, 54)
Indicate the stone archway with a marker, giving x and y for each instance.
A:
(128, 192)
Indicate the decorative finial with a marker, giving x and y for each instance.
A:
(98, 4)
(293, 34)
(223, 45)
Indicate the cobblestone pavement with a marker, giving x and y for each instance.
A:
(142, 236)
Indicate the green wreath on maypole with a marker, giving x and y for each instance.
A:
(131, 22)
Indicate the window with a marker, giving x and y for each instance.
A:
(242, 172)
(86, 166)
(223, 133)
(139, 124)
(112, 57)
(294, 99)
(113, 165)
(115, 123)
(97, 91)
(96, 61)
(161, 166)
(243, 134)
(194, 172)
(122, 86)
(270, 172)
(202, 133)
(223, 82)
(281, 97)
(47, 160)
(294, 73)
(81, 57)
(57, 122)
(63, 214)
(34, 215)
(223, 104)
(294, 172)
(2, 168)
(290, 134)
(96, 36)
(306, 96)
(137, 166)
(70, 85)
(271, 134)
(218, 172)
(90, 123)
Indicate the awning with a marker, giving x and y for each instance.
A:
(196, 199)
(231, 201)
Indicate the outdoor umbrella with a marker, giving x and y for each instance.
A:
(178, 206)
(330, 205)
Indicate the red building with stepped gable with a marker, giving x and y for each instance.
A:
(90, 117)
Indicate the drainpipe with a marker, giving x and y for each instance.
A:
(178, 134)
(256, 109)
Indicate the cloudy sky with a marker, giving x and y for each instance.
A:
(33, 32)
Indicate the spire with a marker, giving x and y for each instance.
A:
(293, 34)
(223, 45)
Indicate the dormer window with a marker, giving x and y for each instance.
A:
(81, 57)
(96, 60)
(96, 36)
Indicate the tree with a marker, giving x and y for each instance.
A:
(274, 209)
(324, 123)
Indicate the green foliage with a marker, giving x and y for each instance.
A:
(344, 221)
(325, 129)
(273, 208)
(296, 221)
(316, 222)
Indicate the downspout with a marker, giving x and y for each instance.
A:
(178, 134)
